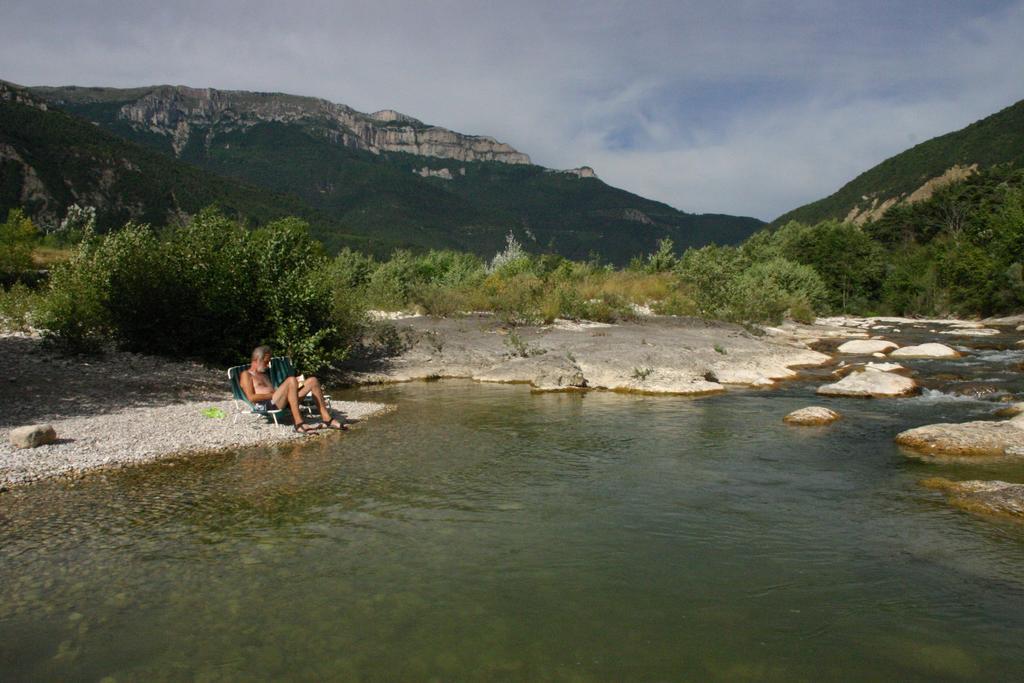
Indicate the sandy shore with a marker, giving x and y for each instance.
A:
(123, 409)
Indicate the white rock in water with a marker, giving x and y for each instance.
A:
(32, 436)
(866, 346)
(970, 332)
(982, 437)
(1020, 328)
(870, 383)
(884, 367)
(814, 415)
(930, 350)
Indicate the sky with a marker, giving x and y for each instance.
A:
(740, 107)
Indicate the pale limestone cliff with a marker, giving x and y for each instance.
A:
(176, 111)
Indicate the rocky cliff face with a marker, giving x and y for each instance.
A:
(178, 112)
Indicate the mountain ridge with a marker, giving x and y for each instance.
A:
(915, 173)
(451, 197)
(174, 109)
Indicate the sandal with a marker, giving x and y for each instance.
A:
(333, 424)
(304, 428)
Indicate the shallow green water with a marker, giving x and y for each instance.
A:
(484, 532)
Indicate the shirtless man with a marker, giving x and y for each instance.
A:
(256, 384)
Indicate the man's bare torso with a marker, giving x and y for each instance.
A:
(261, 382)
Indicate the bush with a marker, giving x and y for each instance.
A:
(392, 284)
(17, 235)
(17, 308)
(763, 292)
(352, 270)
(708, 273)
(676, 303)
(515, 299)
(74, 314)
(210, 290)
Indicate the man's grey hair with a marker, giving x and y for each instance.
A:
(260, 351)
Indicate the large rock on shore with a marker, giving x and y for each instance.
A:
(32, 436)
(867, 346)
(813, 415)
(930, 350)
(660, 355)
(870, 384)
(548, 372)
(990, 497)
(977, 438)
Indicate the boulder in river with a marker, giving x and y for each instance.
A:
(885, 367)
(929, 350)
(813, 415)
(979, 438)
(970, 332)
(32, 436)
(867, 346)
(991, 497)
(1012, 410)
(871, 384)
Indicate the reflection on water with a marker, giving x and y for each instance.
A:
(487, 532)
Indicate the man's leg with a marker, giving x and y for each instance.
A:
(312, 386)
(288, 395)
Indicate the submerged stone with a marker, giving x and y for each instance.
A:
(979, 390)
(990, 497)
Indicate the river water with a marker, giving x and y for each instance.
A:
(487, 532)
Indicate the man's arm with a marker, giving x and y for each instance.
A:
(245, 381)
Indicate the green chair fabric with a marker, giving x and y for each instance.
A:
(281, 368)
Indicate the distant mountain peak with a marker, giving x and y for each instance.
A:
(390, 115)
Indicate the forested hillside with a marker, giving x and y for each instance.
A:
(914, 174)
(390, 177)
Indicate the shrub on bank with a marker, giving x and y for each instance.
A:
(18, 304)
(210, 289)
(17, 235)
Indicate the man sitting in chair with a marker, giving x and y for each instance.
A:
(256, 384)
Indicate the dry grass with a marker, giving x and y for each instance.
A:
(637, 288)
(46, 257)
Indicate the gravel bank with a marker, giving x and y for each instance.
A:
(122, 409)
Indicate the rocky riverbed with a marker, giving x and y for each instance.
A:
(125, 408)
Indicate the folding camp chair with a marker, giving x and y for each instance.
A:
(242, 404)
(280, 369)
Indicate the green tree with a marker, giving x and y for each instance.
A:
(17, 235)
